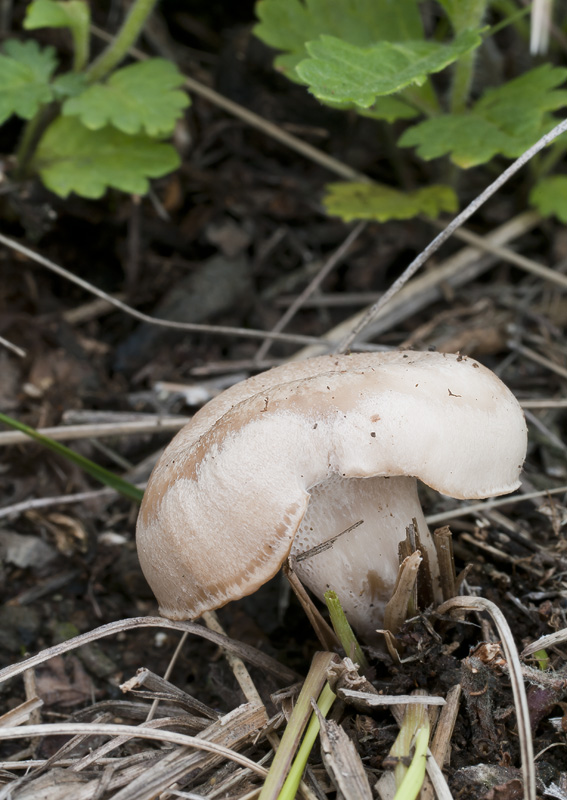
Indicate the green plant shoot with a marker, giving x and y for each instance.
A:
(342, 628)
(101, 474)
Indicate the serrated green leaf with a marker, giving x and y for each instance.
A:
(549, 196)
(72, 14)
(344, 72)
(378, 202)
(25, 71)
(143, 96)
(468, 139)
(505, 121)
(71, 158)
(288, 24)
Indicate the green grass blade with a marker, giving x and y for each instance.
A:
(291, 785)
(343, 630)
(297, 724)
(412, 782)
(97, 472)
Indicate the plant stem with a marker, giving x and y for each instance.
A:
(512, 16)
(343, 630)
(550, 159)
(124, 40)
(31, 134)
(82, 49)
(466, 15)
(422, 98)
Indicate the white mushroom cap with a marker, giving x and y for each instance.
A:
(227, 497)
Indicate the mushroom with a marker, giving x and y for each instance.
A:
(290, 458)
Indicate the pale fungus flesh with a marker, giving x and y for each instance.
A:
(290, 458)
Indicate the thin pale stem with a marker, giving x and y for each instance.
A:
(459, 220)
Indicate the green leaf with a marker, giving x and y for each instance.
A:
(288, 24)
(69, 85)
(506, 121)
(143, 96)
(101, 474)
(51, 14)
(549, 196)
(72, 14)
(340, 71)
(387, 108)
(71, 158)
(25, 71)
(378, 202)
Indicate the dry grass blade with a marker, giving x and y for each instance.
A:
(130, 732)
(478, 508)
(329, 265)
(457, 270)
(504, 253)
(323, 630)
(550, 640)
(235, 729)
(221, 330)
(146, 684)
(459, 220)
(443, 540)
(365, 700)
(441, 747)
(441, 742)
(65, 433)
(316, 679)
(342, 761)
(537, 358)
(326, 545)
(438, 781)
(20, 714)
(12, 347)
(515, 671)
(397, 608)
(245, 652)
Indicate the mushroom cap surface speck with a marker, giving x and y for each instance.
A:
(226, 498)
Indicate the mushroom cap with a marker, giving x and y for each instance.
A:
(227, 496)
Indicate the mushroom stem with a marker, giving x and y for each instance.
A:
(361, 566)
